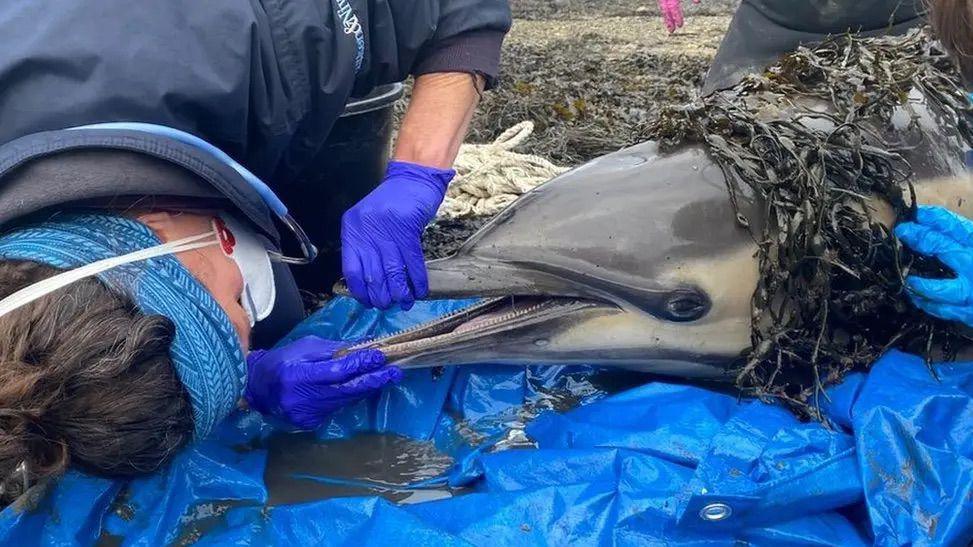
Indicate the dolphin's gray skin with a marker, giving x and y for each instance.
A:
(651, 239)
(633, 260)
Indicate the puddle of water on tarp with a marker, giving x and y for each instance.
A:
(301, 468)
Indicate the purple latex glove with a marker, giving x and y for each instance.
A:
(672, 13)
(381, 249)
(302, 384)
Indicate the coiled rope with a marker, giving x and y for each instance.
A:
(489, 177)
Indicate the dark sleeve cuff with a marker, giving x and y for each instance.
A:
(476, 52)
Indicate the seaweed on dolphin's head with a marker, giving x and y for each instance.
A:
(830, 296)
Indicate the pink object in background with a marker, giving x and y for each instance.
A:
(672, 13)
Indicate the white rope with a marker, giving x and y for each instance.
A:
(489, 177)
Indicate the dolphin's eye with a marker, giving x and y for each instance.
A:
(687, 306)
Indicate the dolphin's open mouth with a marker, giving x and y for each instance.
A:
(485, 317)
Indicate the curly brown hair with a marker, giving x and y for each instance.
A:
(85, 380)
(953, 22)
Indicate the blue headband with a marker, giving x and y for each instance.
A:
(205, 351)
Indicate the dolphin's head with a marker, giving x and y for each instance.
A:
(635, 259)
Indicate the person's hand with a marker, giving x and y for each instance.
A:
(381, 247)
(672, 13)
(940, 233)
(303, 384)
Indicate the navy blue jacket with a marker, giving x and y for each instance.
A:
(263, 80)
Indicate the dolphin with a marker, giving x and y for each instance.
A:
(634, 260)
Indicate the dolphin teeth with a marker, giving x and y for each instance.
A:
(469, 323)
(435, 326)
(484, 322)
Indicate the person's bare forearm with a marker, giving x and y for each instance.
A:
(437, 119)
(381, 236)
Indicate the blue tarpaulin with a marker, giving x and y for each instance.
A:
(658, 463)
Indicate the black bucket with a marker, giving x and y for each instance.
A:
(350, 164)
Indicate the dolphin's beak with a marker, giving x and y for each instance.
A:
(466, 277)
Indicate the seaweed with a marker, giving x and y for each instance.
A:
(830, 297)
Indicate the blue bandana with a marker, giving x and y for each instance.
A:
(205, 351)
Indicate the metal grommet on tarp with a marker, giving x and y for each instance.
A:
(709, 511)
(715, 512)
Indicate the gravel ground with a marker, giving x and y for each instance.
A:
(590, 88)
(560, 9)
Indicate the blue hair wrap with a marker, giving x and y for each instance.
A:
(205, 350)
